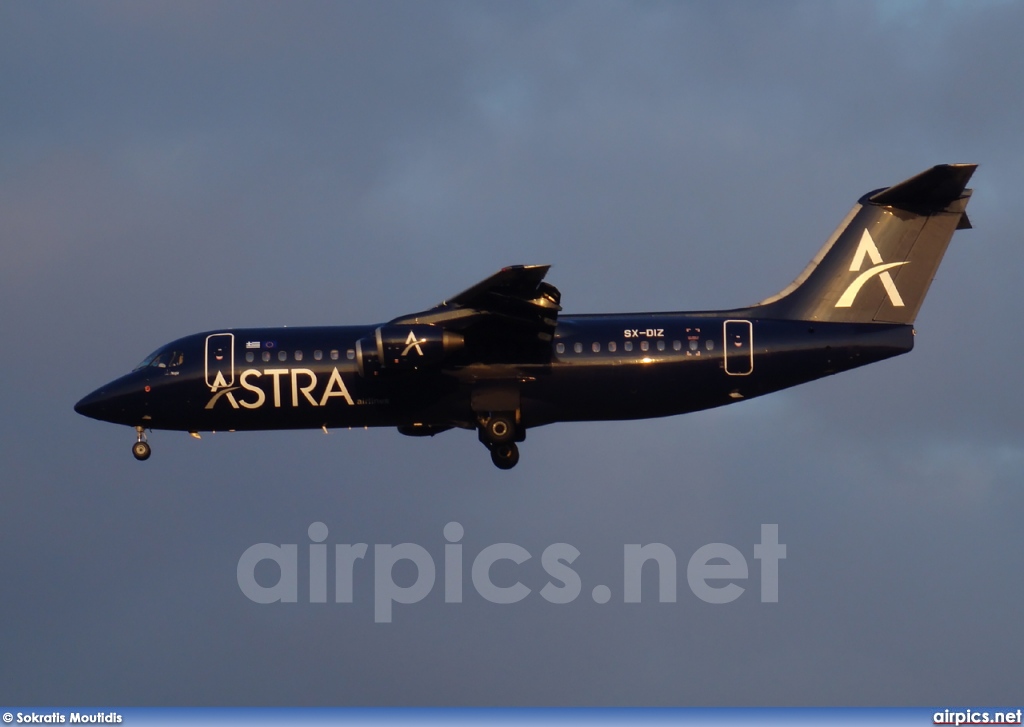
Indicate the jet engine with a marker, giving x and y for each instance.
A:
(394, 349)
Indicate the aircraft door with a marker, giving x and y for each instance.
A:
(220, 360)
(739, 348)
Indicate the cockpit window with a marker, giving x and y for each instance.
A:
(162, 360)
(147, 361)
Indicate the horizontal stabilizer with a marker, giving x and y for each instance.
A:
(929, 191)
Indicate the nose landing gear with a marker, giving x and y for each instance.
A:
(141, 449)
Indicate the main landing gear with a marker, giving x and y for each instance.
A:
(141, 449)
(499, 434)
(505, 456)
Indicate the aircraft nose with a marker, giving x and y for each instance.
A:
(92, 405)
(120, 402)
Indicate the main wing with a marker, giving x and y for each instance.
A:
(509, 317)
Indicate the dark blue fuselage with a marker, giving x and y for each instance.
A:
(600, 367)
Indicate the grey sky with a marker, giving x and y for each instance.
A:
(167, 168)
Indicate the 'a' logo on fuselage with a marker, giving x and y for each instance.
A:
(218, 383)
(868, 249)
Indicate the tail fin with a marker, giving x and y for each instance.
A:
(878, 264)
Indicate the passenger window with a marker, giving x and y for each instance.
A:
(560, 347)
(644, 345)
(334, 354)
(628, 345)
(612, 346)
(350, 354)
(677, 345)
(317, 355)
(577, 347)
(661, 345)
(266, 356)
(282, 355)
(250, 356)
(710, 345)
(595, 347)
(298, 355)
(693, 345)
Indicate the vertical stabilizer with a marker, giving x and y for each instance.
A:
(879, 263)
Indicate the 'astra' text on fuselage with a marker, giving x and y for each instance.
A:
(302, 387)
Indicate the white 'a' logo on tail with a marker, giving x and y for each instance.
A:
(868, 249)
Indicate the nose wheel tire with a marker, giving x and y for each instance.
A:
(505, 456)
(141, 451)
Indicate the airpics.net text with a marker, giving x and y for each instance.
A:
(712, 572)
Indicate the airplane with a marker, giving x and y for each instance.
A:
(498, 358)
